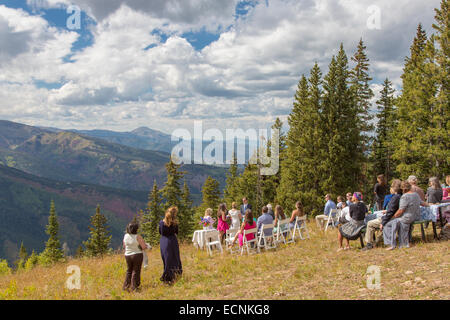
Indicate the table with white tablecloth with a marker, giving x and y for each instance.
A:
(200, 236)
(431, 213)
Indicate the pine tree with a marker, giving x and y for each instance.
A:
(248, 187)
(52, 252)
(32, 261)
(382, 148)
(80, 252)
(186, 216)
(23, 256)
(152, 215)
(210, 197)
(99, 241)
(171, 191)
(362, 95)
(422, 136)
(341, 130)
(231, 192)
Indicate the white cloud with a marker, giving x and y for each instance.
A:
(246, 78)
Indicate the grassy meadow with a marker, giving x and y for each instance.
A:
(309, 269)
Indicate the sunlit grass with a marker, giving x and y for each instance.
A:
(309, 269)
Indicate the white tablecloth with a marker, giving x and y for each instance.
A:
(200, 236)
(430, 213)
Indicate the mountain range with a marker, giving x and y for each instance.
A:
(78, 171)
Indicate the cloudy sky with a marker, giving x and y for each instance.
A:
(165, 63)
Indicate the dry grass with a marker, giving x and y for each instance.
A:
(310, 269)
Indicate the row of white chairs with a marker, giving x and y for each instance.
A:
(260, 241)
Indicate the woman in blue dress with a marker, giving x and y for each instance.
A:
(170, 250)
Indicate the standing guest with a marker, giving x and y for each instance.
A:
(329, 205)
(349, 198)
(378, 223)
(269, 206)
(380, 191)
(298, 212)
(134, 246)
(340, 200)
(408, 212)
(434, 192)
(415, 188)
(222, 225)
(248, 224)
(265, 218)
(170, 250)
(352, 229)
(235, 216)
(245, 205)
(279, 215)
(446, 189)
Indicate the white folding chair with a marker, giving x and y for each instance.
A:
(231, 233)
(284, 232)
(333, 217)
(300, 224)
(266, 241)
(247, 244)
(210, 242)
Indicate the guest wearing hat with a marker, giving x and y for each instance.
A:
(352, 229)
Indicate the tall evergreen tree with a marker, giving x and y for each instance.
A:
(231, 191)
(341, 130)
(382, 148)
(210, 196)
(23, 256)
(422, 136)
(52, 252)
(171, 191)
(99, 241)
(186, 217)
(362, 95)
(152, 215)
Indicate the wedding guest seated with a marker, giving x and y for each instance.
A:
(352, 229)
(329, 205)
(434, 192)
(446, 189)
(269, 206)
(279, 215)
(378, 223)
(386, 200)
(248, 224)
(345, 214)
(415, 188)
(349, 197)
(408, 212)
(265, 218)
(298, 212)
(340, 200)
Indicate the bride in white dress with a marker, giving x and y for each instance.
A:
(236, 216)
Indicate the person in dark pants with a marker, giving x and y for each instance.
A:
(170, 250)
(133, 245)
(379, 191)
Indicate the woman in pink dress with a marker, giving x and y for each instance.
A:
(248, 224)
(222, 225)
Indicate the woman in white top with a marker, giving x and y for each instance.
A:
(133, 245)
(235, 216)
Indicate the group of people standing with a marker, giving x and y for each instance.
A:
(135, 247)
